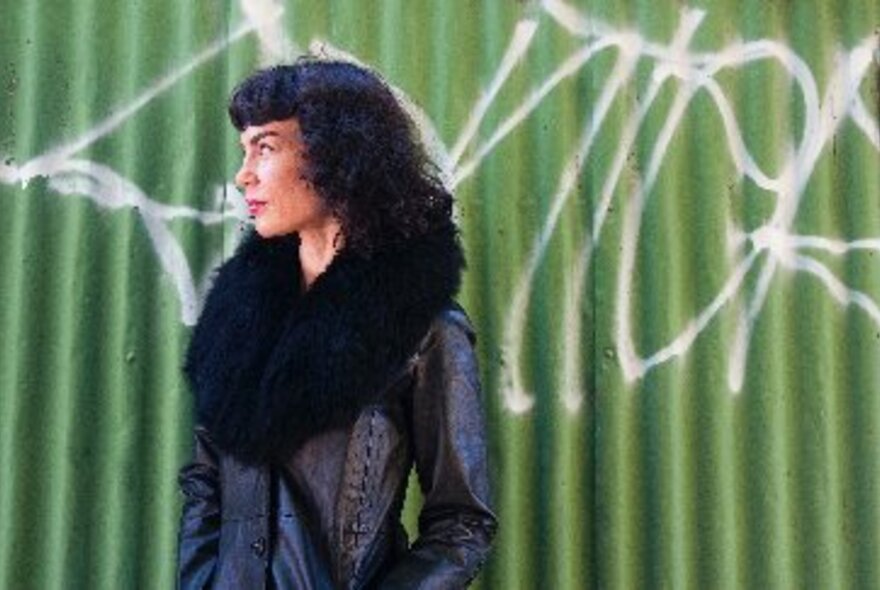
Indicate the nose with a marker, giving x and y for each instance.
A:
(245, 177)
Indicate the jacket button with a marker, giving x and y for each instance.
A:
(259, 547)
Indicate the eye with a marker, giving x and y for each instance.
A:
(265, 148)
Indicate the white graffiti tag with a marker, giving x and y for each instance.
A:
(773, 246)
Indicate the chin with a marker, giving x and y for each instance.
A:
(264, 229)
(267, 231)
(261, 232)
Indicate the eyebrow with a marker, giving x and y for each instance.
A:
(261, 135)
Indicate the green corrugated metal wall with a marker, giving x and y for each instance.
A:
(672, 216)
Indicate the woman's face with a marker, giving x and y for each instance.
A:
(279, 198)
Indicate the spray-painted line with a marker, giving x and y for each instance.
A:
(519, 44)
(572, 393)
(859, 114)
(107, 188)
(264, 17)
(837, 247)
(631, 363)
(843, 294)
(516, 396)
(47, 163)
(576, 22)
(517, 400)
(569, 67)
(822, 123)
(696, 71)
(72, 176)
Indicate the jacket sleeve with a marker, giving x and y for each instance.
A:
(199, 534)
(456, 523)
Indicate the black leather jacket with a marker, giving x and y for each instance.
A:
(334, 506)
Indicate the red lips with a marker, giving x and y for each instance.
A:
(255, 207)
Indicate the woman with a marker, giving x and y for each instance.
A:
(330, 356)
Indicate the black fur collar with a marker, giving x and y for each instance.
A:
(271, 367)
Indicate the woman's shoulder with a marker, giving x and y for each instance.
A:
(454, 315)
(450, 325)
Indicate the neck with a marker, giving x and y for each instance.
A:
(317, 248)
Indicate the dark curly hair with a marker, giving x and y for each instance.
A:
(363, 155)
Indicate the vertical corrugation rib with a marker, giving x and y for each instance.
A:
(855, 397)
(669, 406)
(571, 469)
(148, 363)
(68, 375)
(112, 425)
(58, 413)
(111, 525)
(10, 254)
(14, 295)
(547, 416)
(815, 493)
(391, 24)
(516, 444)
(703, 247)
(24, 340)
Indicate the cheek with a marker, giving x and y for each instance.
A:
(283, 173)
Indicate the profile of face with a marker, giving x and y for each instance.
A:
(279, 198)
